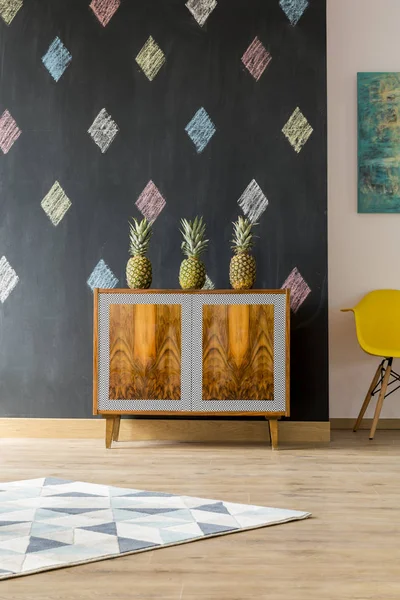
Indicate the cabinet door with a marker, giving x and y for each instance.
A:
(144, 352)
(239, 353)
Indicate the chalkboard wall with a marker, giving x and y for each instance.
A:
(96, 101)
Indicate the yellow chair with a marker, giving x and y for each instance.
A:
(377, 318)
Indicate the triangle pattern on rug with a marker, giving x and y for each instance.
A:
(130, 545)
(75, 511)
(212, 529)
(217, 507)
(152, 511)
(75, 495)
(44, 527)
(55, 481)
(37, 544)
(108, 528)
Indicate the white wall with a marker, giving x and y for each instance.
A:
(364, 250)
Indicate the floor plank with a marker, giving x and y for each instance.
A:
(349, 549)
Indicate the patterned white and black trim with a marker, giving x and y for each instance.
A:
(278, 403)
(104, 402)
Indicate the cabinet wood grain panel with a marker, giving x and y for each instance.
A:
(145, 352)
(238, 352)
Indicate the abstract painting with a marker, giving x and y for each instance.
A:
(378, 142)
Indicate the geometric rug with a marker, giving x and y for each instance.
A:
(51, 523)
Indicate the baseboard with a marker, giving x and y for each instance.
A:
(166, 429)
(366, 423)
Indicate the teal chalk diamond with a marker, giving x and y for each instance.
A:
(56, 59)
(200, 129)
(294, 9)
(102, 277)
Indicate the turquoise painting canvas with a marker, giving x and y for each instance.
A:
(378, 142)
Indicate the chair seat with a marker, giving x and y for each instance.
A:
(384, 352)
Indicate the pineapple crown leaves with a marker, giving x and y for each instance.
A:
(243, 236)
(193, 233)
(139, 235)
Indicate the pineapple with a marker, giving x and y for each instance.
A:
(138, 268)
(242, 270)
(192, 274)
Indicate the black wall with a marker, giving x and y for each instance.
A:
(46, 320)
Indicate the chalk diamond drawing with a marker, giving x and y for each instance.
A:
(104, 9)
(200, 129)
(55, 204)
(208, 285)
(256, 58)
(150, 202)
(299, 289)
(150, 59)
(253, 201)
(201, 9)
(102, 277)
(294, 9)
(8, 279)
(297, 130)
(9, 132)
(56, 59)
(8, 9)
(103, 130)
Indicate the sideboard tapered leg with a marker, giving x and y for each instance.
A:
(273, 432)
(109, 430)
(117, 422)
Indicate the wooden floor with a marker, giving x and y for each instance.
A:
(350, 549)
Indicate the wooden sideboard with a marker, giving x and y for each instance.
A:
(169, 352)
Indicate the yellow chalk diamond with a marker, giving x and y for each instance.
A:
(56, 203)
(151, 58)
(297, 130)
(8, 9)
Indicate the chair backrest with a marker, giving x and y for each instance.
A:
(377, 318)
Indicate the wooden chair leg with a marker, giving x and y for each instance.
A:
(273, 432)
(368, 397)
(117, 423)
(381, 398)
(109, 430)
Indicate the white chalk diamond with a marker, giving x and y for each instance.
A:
(253, 201)
(103, 130)
(8, 279)
(201, 9)
(208, 285)
(56, 203)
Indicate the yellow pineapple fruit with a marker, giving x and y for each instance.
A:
(192, 273)
(138, 268)
(242, 270)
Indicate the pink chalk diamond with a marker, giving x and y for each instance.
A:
(256, 58)
(104, 9)
(150, 202)
(299, 289)
(9, 131)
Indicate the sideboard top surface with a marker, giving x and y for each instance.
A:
(178, 291)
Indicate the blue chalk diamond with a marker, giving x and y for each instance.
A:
(102, 277)
(293, 9)
(56, 59)
(200, 129)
